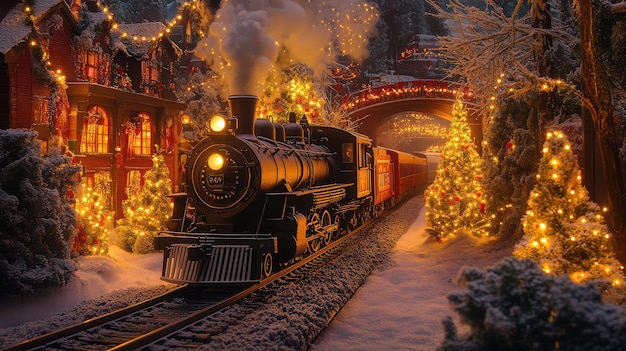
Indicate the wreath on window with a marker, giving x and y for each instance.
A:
(95, 117)
(130, 127)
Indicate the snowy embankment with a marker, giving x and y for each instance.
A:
(101, 285)
(400, 306)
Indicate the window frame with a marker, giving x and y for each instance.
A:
(142, 142)
(100, 133)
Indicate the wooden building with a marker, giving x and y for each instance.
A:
(102, 90)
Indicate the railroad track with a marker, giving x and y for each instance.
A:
(172, 315)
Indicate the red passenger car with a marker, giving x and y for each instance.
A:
(396, 175)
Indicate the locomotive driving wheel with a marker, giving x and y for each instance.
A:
(326, 223)
(313, 229)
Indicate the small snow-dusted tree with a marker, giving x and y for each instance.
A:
(146, 213)
(37, 216)
(93, 217)
(563, 230)
(455, 200)
(515, 306)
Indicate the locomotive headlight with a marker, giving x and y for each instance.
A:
(217, 123)
(215, 162)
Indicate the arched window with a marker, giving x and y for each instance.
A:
(95, 136)
(142, 143)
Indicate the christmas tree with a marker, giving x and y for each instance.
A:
(146, 212)
(93, 234)
(455, 199)
(563, 230)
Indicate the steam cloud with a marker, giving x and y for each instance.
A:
(245, 39)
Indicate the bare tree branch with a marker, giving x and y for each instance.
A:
(487, 40)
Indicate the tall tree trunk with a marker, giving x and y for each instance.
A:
(541, 19)
(597, 89)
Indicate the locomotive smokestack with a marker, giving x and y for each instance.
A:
(243, 107)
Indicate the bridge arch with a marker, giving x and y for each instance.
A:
(373, 108)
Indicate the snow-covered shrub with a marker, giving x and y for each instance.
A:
(516, 306)
(37, 218)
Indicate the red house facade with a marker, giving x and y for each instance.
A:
(104, 92)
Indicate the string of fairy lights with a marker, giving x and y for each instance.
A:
(58, 73)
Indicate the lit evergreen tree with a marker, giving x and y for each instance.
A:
(455, 199)
(293, 89)
(563, 230)
(93, 218)
(146, 213)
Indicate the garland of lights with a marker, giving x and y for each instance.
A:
(58, 74)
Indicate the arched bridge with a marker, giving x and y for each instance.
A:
(372, 108)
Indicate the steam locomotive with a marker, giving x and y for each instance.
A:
(261, 195)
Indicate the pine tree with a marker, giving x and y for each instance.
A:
(455, 199)
(563, 230)
(37, 216)
(92, 217)
(146, 212)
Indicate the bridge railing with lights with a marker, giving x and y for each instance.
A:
(422, 88)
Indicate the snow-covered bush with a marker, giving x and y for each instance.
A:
(516, 306)
(37, 218)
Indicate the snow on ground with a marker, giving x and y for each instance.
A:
(97, 276)
(401, 307)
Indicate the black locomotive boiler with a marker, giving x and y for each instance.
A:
(259, 195)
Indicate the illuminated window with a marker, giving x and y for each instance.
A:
(142, 142)
(150, 68)
(151, 73)
(95, 136)
(40, 109)
(95, 66)
(91, 66)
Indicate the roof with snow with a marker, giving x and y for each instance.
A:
(139, 38)
(14, 27)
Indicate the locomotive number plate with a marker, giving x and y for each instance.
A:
(215, 180)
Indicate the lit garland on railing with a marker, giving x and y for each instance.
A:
(408, 89)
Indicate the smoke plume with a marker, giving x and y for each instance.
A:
(247, 36)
